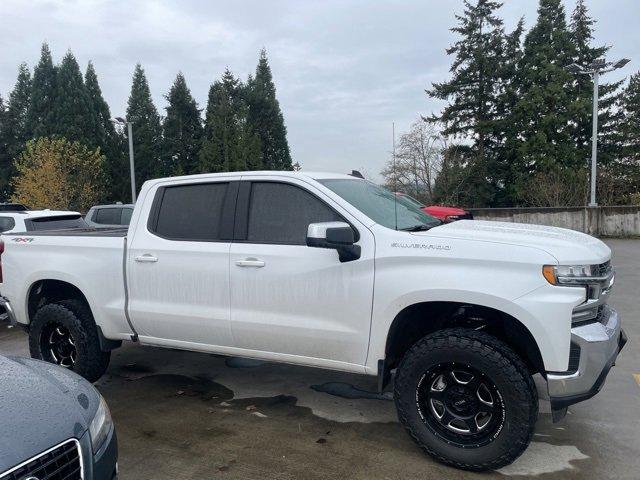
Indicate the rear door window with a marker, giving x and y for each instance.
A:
(125, 217)
(191, 212)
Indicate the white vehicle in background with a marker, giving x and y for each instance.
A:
(36, 220)
(331, 271)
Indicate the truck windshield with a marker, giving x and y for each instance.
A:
(380, 205)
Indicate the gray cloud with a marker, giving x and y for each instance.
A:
(345, 70)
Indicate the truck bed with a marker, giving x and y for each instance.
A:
(73, 232)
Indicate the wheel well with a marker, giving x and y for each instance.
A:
(47, 291)
(416, 321)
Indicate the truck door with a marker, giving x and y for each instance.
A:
(288, 299)
(178, 264)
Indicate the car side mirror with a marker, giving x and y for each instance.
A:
(337, 236)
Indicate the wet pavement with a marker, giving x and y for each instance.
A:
(184, 415)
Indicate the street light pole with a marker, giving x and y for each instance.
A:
(132, 167)
(595, 69)
(594, 141)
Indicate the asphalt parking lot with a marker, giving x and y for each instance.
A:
(183, 415)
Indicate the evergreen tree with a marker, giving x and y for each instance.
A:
(40, 116)
(147, 131)
(630, 133)
(182, 130)
(72, 109)
(229, 144)
(13, 130)
(472, 92)
(5, 159)
(111, 143)
(581, 34)
(17, 108)
(544, 110)
(266, 119)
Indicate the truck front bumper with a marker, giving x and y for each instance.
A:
(8, 314)
(599, 344)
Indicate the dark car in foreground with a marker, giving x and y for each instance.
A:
(54, 425)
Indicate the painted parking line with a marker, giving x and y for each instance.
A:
(637, 377)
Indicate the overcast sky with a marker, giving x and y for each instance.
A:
(344, 70)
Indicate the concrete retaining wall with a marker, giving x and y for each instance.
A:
(602, 221)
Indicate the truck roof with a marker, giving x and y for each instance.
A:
(266, 173)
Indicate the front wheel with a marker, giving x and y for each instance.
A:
(467, 399)
(64, 333)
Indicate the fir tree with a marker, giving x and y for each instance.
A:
(472, 92)
(228, 144)
(182, 130)
(544, 110)
(72, 109)
(111, 143)
(14, 130)
(581, 34)
(266, 119)
(40, 116)
(147, 131)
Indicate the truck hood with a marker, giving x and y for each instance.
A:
(567, 246)
(41, 405)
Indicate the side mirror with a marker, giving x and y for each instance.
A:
(337, 236)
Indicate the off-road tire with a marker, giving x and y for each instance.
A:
(497, 362)
(74, 315)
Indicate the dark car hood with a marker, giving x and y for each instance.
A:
(41, 405)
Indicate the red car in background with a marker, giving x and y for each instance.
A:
(444, 214)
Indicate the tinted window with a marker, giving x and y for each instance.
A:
(125, 218)
(108, 216)
(12, 207)
(281, 213)
(56, 223)
(6, 223)
(191, 212)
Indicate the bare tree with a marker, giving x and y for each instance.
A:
(418, 161)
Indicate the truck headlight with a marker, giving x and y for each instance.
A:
(100, 425)
(569, 274)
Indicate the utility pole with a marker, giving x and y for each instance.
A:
(596, 69)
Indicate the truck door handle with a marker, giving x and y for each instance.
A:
(250, 262)
(146, 258)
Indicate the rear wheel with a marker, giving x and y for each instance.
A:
(467, 399)
(65, 333)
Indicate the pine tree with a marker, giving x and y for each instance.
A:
(581, 34)
(40, 116)
(147, 131)
(229, 144)
(472, 92)
(72, 109)
(544, 110)
(182, 129)
(266, 119)
(111, 144)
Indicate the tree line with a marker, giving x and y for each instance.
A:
(55, 120)
(516, 129)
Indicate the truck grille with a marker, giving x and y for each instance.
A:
(59, 463)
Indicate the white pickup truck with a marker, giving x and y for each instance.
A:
(332, 271)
